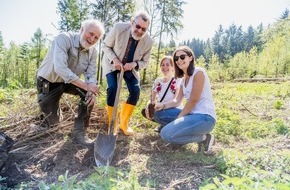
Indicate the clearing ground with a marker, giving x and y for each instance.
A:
(45, 154)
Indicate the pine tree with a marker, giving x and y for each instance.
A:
(284, 15)
(72, 13)
(38, 45)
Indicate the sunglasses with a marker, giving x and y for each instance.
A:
(139, 27)
(182, 57)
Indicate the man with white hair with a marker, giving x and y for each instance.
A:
(70, 56)
(126, 46)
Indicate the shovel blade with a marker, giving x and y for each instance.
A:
(104, 148)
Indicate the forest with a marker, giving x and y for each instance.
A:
(249, 70)
(231, 54)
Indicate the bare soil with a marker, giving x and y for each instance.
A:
(45, 154)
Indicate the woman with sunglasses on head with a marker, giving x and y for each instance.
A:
(197, 119)
(164, 89)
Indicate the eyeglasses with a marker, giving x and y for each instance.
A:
(139, 27)
(182, 57)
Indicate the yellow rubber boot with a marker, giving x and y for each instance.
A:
(126, 113)
(110, 110)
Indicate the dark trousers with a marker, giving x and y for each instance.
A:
(49, 95)
(132, 85)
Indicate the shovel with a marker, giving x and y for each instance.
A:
(104, 145)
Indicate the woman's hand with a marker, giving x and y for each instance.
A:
(147, 112)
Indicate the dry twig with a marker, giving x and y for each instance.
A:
(51, 130)
(249, 110)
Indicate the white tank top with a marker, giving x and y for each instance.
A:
(205, 104)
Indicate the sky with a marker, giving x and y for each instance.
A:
(19, 19)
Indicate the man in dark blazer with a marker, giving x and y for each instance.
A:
(126, 46)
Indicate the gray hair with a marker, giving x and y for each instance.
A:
(144, 15)
(97, 23)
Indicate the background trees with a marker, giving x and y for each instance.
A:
(232, 52)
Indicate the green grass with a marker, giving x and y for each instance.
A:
(252, 145)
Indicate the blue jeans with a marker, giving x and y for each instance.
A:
(132, 85)
(184, 130)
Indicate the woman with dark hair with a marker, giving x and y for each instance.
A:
(197, 119)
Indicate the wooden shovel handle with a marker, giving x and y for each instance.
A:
(120, 78)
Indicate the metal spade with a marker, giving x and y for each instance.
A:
(104, 145)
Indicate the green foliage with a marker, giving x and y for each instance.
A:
(278, 104)
(110, 12)
(228, 125)
(216, 70)
(6, 96)
(264, 53)
(268, 129)
(248, 154)
(65, 182)
(278, 126)
(239, 118)
(247, 170)
(244, 183)
(103, 178)
(72, 13)
(2, 95)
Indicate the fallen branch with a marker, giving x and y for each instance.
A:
(249, 110)
(47, 149)
(261, 80)
(43, 133)
(177, 182)
(7, 127)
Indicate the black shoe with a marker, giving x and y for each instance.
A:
(208, 143)
(143, 112)
(176, 146)
(158, 129)
(199, 146)
(82, 140)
